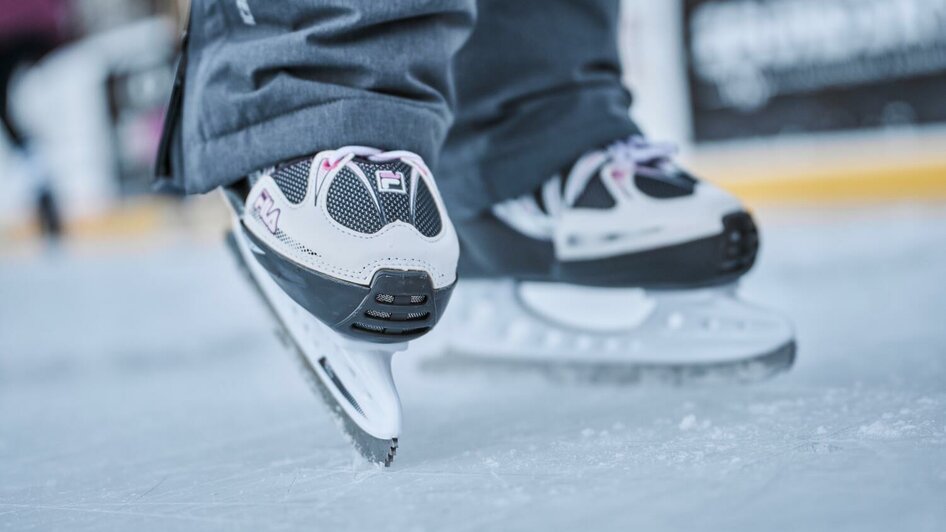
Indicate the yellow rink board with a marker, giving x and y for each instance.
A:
(845, 185)
(920, 182)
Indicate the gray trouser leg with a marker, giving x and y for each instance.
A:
(279, 80)
(538, 84)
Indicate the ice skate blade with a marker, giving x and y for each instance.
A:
(616, 335)
(376, 450)
(747, 371)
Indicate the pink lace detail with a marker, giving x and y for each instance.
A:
(638, 155)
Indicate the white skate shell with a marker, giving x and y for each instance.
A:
(621, 335)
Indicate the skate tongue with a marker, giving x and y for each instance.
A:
(386, 177)
(391, 184)
(601, 178)
(584, 186)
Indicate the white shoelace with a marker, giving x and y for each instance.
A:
(637, 149)
(376, 155)
(634, 155)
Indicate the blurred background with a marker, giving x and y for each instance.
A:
(86, 85)
(139, 381)
(781, 101)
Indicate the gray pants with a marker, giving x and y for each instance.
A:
(497, 95)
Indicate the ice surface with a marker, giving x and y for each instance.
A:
(142, 390)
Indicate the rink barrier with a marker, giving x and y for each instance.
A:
(848, 185)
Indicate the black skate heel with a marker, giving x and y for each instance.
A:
(398, 305)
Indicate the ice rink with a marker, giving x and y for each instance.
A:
(141, 389)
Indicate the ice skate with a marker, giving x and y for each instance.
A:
(352, 252)
(624, 267)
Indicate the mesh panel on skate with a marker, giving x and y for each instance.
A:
(293, 244)
(287, 240)
(368, 327)
(384, 315)
(293, 180)
(426, 217)
(395, 205)
(351, 205)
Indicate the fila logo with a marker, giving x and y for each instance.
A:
(265, 208)
(243, 6)
(389, 181)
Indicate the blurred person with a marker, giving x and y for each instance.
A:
(28, 31)
(582, 244)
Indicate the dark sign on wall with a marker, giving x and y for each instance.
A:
(767, 67)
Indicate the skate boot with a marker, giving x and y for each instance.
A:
(354, 255)
(624, 268)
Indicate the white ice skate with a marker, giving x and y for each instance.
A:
(354, 255)
(623, 268)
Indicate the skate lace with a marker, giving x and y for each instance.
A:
(641, 155)
(632, 156)
(378, 156)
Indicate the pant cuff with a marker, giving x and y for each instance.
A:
(383, 124)
(516, 158)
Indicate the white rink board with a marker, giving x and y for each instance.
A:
(147, 393)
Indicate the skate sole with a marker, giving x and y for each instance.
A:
(376, 450)
(749, 370)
